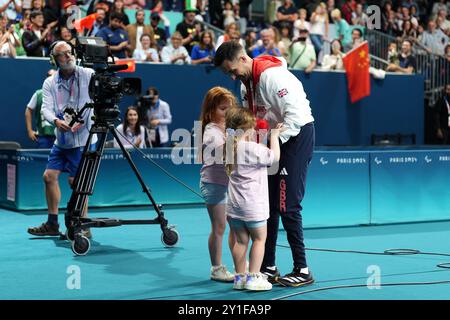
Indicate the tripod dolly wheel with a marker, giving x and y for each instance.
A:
(81, 245)
(69, 234)
(170, 237)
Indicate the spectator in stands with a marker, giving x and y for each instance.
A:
(408, 30)
(9, 39)
(333, 61)
(228, 14)
(161, 35)
(268, 46)
(447, 52)
(285, 40)
(357, 39)
(347, 10)
(388, 20)
(158, 118)
(434, 40)
(406, 16)
(11, 8)
(37, 40)
(286, 14)
(301, 55)
(359, 17)
(301, 23)
(442, 22)
(136, 30)
(407, 62)
(230, 30)
(250, 42)
(130, 131)
(393, 54)
(342, 28)
(204, 52)
(134, 4)
(440, 5)
(99, 23)
(118, 6)
(175, 53)
(188, 30)
(319, 27)
(146, 53)
(442, 117)
(65, 34)
(331, 5)
(410, 4)
(65, 16)
(44, 135)
(115, 36)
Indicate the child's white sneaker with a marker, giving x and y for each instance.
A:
(257, 282)
(220, 273)
(240, 280)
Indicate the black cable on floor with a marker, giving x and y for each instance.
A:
(392, 252)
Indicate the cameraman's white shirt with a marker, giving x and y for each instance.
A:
(57, 94)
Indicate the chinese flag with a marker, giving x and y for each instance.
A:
(85, 23)
(131, 63)
(356, 63)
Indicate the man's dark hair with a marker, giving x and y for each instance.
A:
(227, 51)
(153, 90)
(116, 15)
(409, 41)
(35, 13)
(359, 31)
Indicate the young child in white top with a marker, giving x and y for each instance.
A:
(248, 194)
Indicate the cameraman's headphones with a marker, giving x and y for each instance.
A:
(53, 59)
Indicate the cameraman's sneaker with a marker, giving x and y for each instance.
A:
(271, 273)
(257, 282)
(45, 229)
(240, 280)
(220, 273)
(298, 277)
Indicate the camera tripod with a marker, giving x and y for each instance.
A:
(83, 186)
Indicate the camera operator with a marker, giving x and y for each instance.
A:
(158, 118)
(65, 91)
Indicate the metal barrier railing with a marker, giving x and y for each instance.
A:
(434, 68)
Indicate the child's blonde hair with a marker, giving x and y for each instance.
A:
(238, 118)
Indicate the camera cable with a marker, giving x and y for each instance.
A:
(388, 252)
(159, 166)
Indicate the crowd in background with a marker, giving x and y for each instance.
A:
(296, 30)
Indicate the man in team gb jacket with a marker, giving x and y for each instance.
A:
(275, 95)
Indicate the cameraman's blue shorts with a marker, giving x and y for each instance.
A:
(65, 160)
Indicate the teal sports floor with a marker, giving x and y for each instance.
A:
(130, 262)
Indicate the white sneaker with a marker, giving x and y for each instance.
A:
(220, 273)
(240, 280)
(257, 282)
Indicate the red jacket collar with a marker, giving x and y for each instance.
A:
(261, 64)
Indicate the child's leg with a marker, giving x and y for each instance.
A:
(258, 236)
(240, 248)
(218, 224)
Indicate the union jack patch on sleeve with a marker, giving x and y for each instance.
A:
(281, 93)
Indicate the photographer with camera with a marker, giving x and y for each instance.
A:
(63, 93)
(157, 118)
